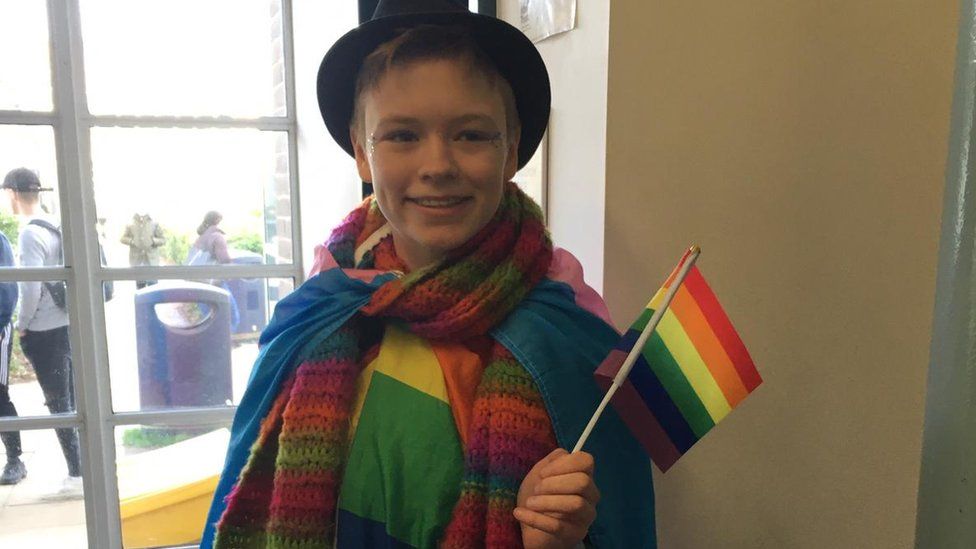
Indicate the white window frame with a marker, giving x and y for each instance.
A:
(72, 124)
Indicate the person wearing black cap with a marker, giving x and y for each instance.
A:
(418, 389)
(42, 321)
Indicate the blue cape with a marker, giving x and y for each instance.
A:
(559, 344)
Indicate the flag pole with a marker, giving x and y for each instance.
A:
(628, 364)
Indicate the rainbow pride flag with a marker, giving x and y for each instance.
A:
(693, 370)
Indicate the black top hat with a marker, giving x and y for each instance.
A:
(512, 52)
(22, 180)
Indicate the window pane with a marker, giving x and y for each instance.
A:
(184, 57)
(167, 477)
(154, 187)
(30, 147)
(177, 343)
(44, 509)
(25, 76)
(36, 367)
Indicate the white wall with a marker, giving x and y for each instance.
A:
(577, 63)
(329, 185)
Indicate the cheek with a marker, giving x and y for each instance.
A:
(487, 171)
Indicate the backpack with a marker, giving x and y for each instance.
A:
(196, 256)
(58, 289)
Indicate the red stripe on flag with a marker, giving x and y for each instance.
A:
(723, 329)
(638, 418)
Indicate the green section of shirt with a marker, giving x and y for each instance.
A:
(405, 463)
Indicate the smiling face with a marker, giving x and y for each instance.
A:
(435, 144)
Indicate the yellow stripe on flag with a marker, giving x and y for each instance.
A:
(691, 363)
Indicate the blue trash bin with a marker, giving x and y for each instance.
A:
(250, 294)
(183, 345)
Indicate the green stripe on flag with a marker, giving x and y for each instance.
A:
(676, 384)
(642, 320)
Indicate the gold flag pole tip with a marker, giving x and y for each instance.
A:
(695, 249)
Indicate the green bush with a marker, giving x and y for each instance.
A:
(20, 369)
(176, 248)
(9, 227)
(154, 437)
(251, 242)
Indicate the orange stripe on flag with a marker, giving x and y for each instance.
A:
(722, 327)
(712, 353)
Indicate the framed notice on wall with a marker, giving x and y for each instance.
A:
(533, 178)
(540, 19)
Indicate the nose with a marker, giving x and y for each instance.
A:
(438, 163)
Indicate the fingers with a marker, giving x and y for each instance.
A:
(560, 528)
(580, 484)
(563, 506)
(564, 462)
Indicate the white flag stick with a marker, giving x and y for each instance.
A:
(628, 364)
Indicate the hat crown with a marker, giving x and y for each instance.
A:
(389, 8)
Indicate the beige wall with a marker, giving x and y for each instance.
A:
(802, 145)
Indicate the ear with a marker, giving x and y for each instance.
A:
(362, 160)
(511, 158)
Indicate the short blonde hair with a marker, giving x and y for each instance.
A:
(429, 43)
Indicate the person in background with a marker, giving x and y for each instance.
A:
(15, 470)
(210, 248)
(41, 323)
(144, 237)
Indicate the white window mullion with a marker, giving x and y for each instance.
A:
(29, 423)
(176, 416)
(191, 122)
(23, 118)
(86, 308)
(290, 103)
(224, 272)
(39, 274)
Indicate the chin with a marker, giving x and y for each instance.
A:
(441, 247)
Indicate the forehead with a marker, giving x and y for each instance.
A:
(437, 86)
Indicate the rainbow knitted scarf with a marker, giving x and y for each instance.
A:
(286, 495)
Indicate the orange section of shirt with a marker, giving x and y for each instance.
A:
(462, 365)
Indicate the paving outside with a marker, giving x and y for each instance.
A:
(31, 514)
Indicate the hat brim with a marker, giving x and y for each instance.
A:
(513, 53)
(32, 190)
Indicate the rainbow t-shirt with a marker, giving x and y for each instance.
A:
(406, 456)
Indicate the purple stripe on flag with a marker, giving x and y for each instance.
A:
(655, 398)
(641, 422)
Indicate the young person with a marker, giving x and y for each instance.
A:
(41, 323)
(419, 389)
